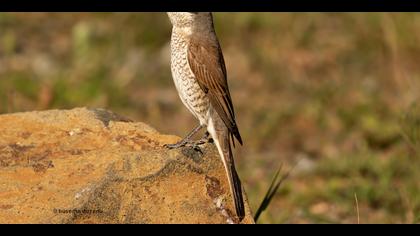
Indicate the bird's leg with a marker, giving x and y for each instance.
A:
(185, 140)
(205, 139)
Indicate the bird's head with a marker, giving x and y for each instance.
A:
(191, 19)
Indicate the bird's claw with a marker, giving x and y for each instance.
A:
(174, 146)
(194, 144)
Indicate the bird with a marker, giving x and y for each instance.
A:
(199, 73)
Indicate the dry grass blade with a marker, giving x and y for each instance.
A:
(357, 208)
(272, 190)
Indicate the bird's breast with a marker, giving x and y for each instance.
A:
(186, 84)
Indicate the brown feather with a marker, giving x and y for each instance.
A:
(206, 62)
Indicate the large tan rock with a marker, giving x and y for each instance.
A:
(93, 166)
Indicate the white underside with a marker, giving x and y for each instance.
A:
(211, 129)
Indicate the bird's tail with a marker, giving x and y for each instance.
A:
(221, 137)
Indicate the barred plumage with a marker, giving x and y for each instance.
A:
(199, 73)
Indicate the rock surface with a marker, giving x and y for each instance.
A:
(93, 166)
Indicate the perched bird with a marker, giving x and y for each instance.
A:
(199, 73)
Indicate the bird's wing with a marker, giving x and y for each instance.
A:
(206, 62)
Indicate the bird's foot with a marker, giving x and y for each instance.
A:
(185, 140)
(194, 144)
(206, 139)
(179, 144)
(189, 143)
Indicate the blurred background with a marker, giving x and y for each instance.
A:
(335, 93)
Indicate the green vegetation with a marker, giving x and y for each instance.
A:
(338, 92)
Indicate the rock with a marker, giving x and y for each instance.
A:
(93, 166)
